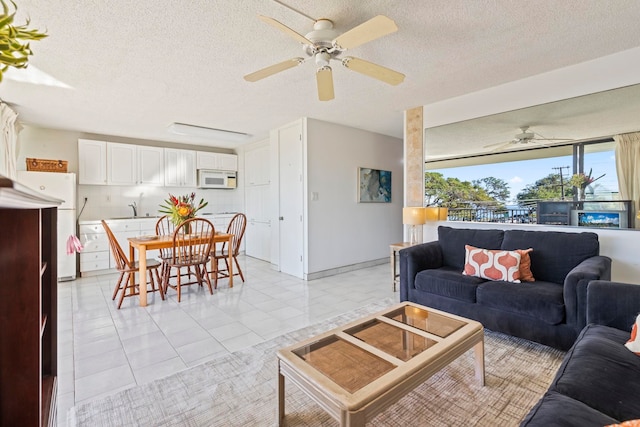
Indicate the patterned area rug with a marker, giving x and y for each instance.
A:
(240, 390)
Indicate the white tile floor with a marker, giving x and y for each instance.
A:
(102, 350)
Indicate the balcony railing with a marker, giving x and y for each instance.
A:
(505, 215)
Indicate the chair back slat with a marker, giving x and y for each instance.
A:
(236, 227)
(122, 263)
(192, 241)
(164, 227)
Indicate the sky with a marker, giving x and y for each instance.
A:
(521, 173)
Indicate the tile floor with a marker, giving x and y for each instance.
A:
(102, 350)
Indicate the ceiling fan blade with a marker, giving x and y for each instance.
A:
(376, 71)
(273, 69)
(367, 31)
(288, 31)
(324, 79)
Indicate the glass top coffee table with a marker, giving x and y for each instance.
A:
(358, 370)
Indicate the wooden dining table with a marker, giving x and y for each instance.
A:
(142, 244)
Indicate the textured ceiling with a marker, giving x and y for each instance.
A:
(136, 67)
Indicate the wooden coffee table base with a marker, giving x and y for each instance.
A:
(354, 409)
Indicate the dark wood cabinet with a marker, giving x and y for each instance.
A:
(28, 308)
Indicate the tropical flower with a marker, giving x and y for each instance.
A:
(181, 208)
(580, 180)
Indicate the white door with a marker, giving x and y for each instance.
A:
(291, 201)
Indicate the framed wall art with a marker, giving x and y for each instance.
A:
(374, 185)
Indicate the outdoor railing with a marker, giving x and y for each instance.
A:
(505, 215)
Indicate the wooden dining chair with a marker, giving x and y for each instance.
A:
(164, 227)
(192, 242)
(237, 226)
(127, 268)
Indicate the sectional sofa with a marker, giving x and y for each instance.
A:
(598, 383)
(550, 310)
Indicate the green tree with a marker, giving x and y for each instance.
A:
(496, 188)
(453, 193)
(547, 188)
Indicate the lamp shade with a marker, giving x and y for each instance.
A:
(433, 213)
(413, 216)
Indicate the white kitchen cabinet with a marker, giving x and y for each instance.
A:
(256, 165)
(179, 168)
(121, 164)
(216, 161)
(258, 240)
(97, 255)
(92, 162)
(150, 165)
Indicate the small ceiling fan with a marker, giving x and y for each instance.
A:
(525, 137)
(325, 44)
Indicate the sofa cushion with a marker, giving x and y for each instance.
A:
(538, 300)
(452, 241)
(600, 372)
(554, 253)
(492, 264)
(557, 410)
(448, 282)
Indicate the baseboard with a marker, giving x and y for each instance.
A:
(345, 268)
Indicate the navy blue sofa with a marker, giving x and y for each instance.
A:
(598, 382)
(551, 310)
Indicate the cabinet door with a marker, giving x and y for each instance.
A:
(92, 162)
(227, 162)
(258, 240)
(121, 164)
(205, 160)
(188, 168)
(179, 168)
(150, 165)
(171, 167)
(256, 165)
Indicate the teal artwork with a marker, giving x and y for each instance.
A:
(374, 185)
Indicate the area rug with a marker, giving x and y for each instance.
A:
(240, 390)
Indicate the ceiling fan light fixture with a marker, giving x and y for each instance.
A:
(206, 132)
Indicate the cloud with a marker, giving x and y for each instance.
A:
(515, 180)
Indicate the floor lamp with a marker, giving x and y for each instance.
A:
(413, 216)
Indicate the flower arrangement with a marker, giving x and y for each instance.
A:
(181, 208)
(580, 180)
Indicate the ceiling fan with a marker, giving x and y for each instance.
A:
(325, 44)
(525, 137)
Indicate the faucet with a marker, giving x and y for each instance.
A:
(134, 206)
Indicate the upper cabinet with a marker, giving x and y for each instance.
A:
(256, 165)
(92, 162)
(150, 165)
(121, 164)
(111, 163)
(216, 161)
(179, 168)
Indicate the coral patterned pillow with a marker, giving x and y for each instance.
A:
(492, 264)
(630, 423)
(634, 342)
(525, 265)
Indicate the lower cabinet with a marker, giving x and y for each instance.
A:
(258, 240)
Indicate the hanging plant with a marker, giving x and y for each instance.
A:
(13, 51)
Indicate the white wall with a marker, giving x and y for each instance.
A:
(112, 201)
(622, 246)
(342, 231)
